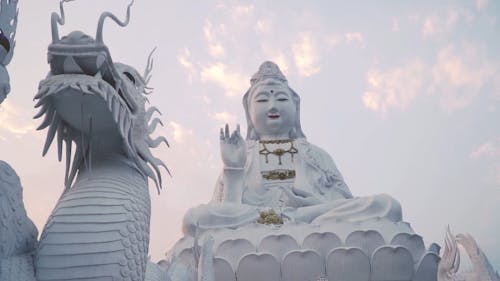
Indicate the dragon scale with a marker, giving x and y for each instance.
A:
(99, 228)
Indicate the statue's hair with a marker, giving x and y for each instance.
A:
(296, 131)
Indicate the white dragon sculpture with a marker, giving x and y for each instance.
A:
(18, 234)
(450, 261)
(99, 229)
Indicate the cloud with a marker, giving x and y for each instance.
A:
(178, 131)
(456, 77)
(215, 48)
(353, 37)
(395, 24)
(264, 25)
(224, 117)
(306, 56)
(428, 28)
(184, 59)
(460, 73)
(282, 61)
(232, 82)
(481, 4)
(489, 149)
(238, 11)
(15, 120)
(443, 21)
(393, 88)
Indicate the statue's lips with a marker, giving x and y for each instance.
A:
(273, 116)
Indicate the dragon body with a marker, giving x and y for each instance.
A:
(99, 229)
(450, 262)
(18, 234)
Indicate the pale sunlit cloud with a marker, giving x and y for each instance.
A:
(428, 28)
(395, 24)
(238, 11)
(264, 25)
(393, 88)
(489, 152)
(224, 117)
(459, 74)
(178, 132)
(489, 149)
(444, 21)
(353, 37)
(333, 40)
(481, 4)
(215, 48)
(283, 63)
(184, 59)
(231, 81)
(306, 56)
(14, 120)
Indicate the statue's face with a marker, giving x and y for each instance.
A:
(272, 111)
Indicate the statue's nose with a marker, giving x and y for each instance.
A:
(272, 104)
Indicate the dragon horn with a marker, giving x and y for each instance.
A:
(57, 19)
(105, 15)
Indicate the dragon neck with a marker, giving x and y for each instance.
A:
(109, 167)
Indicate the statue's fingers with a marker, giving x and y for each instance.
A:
(232, 138)
(221, 134)
(226, 131)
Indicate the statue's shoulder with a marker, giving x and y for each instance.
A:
(322, 162)
(315, 154)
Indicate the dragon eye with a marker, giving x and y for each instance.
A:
(129, 76)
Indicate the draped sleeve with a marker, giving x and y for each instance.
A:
(322, 173)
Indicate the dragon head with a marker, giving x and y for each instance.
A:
(8, 24)
(89, 100)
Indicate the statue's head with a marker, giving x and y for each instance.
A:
(272, 108)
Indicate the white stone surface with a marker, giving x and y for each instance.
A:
(302, 265)
(223, 270)
(258, 267)
(392, 263)
(348, 264)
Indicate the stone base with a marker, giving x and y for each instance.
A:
(373, 250)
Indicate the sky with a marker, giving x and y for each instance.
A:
(404, 95)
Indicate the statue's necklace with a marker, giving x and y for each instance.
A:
(279, 151)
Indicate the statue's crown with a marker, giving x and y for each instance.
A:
(267, 70)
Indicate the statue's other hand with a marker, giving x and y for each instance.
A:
(301, 198)
(233, 148)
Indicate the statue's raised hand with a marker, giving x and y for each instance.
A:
(233, 148)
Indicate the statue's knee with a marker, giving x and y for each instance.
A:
(394, 210)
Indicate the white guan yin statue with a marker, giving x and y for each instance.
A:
(281, 210)
(278, 168)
